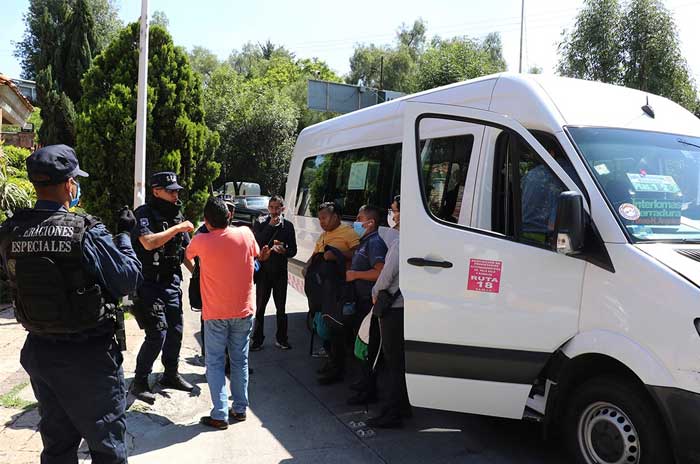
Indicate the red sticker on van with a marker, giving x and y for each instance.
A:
(484, 275)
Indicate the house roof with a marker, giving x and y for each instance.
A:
(4, 80)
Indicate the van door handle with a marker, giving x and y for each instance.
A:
(422, 262)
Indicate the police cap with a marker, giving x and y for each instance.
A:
(166, 180)
(53, 164)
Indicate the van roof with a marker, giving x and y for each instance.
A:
(538, 102)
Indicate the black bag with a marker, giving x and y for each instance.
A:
(194, 290)
(384, 301)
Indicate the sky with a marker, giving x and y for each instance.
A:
(330, 30)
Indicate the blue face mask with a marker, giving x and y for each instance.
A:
(74, 201)
(359, 229)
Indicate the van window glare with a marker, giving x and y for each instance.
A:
(651, 180)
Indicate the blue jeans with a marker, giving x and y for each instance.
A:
(233, 334)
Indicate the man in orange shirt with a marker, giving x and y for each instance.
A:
(227, 258)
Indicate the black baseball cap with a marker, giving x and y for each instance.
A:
(166, 180)
(53, 164)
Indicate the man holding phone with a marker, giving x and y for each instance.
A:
(274, 231)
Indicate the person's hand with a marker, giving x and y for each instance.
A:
(350, 276)
(126, 221)
(186, 226)
(279, 248)
(274, 220)
(329, 256)
(265, 253)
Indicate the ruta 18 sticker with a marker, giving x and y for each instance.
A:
(484, 275)
(629, 211)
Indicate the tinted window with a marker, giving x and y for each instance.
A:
(351, 178)
(525, 191)
(444, 162)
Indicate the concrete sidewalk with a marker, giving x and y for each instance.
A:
(291, 418)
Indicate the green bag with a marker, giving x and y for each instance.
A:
(321, 328)
(362, 339)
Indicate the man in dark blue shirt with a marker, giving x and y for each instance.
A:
(67, 273)
(367, 263)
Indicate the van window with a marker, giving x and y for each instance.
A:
(525, 191)
(351, 178)
(444, 161)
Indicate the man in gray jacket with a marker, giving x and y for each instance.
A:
(397, 406)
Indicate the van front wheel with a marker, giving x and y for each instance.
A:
(610, 421)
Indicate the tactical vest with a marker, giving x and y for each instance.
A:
(161, 264)
(42, 256)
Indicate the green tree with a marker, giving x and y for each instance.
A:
(534, 69)
(45, 31)
(593, 49)
(107, 22)
(59, 43)
(635, 45)
(159, 18)
(257, 124)
(176, 137)
(652, 56)
(15, 190)
(454, 60)
(204, 62)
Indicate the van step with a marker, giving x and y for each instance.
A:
(532, 415)
(537, 403)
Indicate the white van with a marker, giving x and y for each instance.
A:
(549, 255)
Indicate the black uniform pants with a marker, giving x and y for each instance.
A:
(160, 315)
(275, 284)
(81, 393)
(393, 350)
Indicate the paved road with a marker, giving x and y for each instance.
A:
(291, 419)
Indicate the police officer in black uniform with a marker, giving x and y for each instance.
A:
(277, 233)
(67, 273)
(159, 238)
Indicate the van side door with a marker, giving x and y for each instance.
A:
(484, 309)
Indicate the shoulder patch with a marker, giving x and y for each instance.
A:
(263, 218)
(143, 222)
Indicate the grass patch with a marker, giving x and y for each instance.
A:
(12, 400)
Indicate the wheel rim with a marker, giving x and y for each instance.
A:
(606, 435)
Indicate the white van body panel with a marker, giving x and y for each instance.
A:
(651, 305)
(649, 368)
(449, 394)
(540, 291)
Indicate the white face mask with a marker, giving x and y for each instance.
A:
(390, 219)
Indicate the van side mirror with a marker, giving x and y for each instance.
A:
(570, 225)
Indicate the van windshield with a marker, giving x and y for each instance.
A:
(651, 179)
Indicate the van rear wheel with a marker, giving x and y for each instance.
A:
(610, 421)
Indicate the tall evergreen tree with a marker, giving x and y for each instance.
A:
(177, 138)
(59, 43)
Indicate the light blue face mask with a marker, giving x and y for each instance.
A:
(74, 201)
(359, 229)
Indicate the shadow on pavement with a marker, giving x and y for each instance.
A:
(313, 422)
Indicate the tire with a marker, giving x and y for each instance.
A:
(610, 420)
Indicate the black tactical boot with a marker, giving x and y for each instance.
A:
(175, 381)
(142, 391)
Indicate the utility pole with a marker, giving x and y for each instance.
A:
(381, 73)
(140, 153)
(522, 23)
